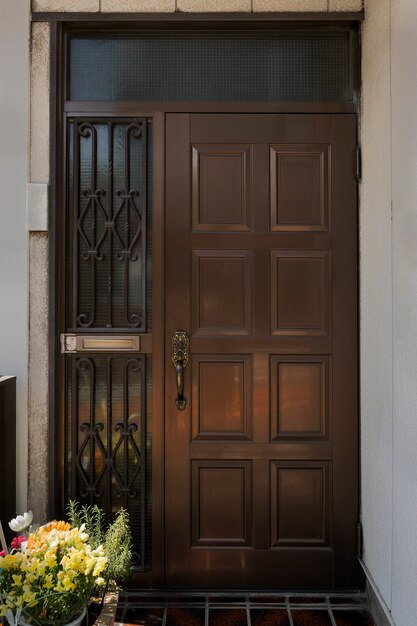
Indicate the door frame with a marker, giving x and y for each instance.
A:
(60, 109)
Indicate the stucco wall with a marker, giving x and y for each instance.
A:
(404, 211)
(376, 296)
(389, 304)
(195, 5)
(14, 116)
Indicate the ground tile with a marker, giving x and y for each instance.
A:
(269, 617)
(266, 599)
(310, 618)
(307, 600)
(144, 617)
(145, 599)
(353, 618)
(227, 617)
(347, 600)
(187, 616)
(213, 599)
(186, 599)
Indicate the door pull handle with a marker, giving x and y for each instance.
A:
(180, 360)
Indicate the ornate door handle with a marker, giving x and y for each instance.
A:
(180, 360)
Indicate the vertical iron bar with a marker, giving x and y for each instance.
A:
(143, 460)
(94, 190)
(92, 427)
(127, 229)
(143, 232)
(75, 217)
(110, 229)
(74, 424)
(125, 430)
(109, 429)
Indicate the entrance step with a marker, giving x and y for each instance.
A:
(242, 609)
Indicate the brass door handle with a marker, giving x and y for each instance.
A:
(180, 402)
(180, 360)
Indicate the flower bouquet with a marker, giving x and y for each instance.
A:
(48, 579)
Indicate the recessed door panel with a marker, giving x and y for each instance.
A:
(221, 503)
(261, 476)
(222, 284)
(221, 182)
(299, 504)
(299, 397)
(300, 290)
(300, 195)
(221, 397)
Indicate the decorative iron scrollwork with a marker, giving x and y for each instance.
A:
(108, 402)
(103, 234)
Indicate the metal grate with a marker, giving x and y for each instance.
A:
(213, 66)
(108, 275)
(107, 224)
(106, 437)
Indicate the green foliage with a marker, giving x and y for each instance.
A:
(94, 519)
(116, 538)
(60, 609)
(118, 547)
(73, 514)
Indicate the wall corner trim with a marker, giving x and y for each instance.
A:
(37, 207)
(377, 605)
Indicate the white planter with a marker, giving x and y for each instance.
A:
(75, 622)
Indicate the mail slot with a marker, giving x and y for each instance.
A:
(99, 343)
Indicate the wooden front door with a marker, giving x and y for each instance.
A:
(261, 475)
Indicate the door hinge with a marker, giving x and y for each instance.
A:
(359, 540)
(358, 163)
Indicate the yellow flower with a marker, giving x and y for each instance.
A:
(50, 559)
(17, 579)
(48, 584)
(68, 584)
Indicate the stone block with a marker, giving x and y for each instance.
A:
(297, 6)
(219, 6)
(345, 5)
(66, 6)
(39, 103)
(137, 6)
(38, 463)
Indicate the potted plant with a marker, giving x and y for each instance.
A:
(116, 539)
(49, 580)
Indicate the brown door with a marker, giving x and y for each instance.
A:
(261, 471)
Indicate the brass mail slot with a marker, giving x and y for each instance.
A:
(99, 343)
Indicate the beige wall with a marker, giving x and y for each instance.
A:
(404, 250)
(14, 114)
(38, 276)
(376, 296)
(195, 5)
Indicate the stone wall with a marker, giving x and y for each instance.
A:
(156, 6)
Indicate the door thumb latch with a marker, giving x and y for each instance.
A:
(180, 360)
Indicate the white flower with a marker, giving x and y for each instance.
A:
(21, 522)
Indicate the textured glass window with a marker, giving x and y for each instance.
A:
(212, 66)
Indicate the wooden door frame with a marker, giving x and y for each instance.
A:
(60, 110)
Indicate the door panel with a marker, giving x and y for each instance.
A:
(261, 465)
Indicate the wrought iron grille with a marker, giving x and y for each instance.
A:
(109, 292)
(106, 408)
(108, 229)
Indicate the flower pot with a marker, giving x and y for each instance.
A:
(76, 622)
